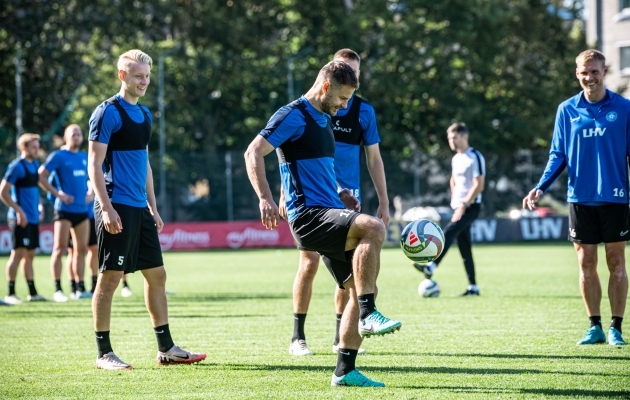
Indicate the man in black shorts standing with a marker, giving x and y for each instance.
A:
(19, 191)
(591, 139)
(302, 134)
(127, 219)
(69, 164)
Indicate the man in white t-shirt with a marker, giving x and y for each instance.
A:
(467, 182)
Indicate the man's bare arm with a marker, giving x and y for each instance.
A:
(150, 188)
(254, 159)
(43, 175)
(479, 184)
(96, 156)
(377, 172)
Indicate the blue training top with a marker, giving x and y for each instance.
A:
(348, 143)
(125, 165)
(307, 169)
(593, 141)
(70, 176)
(23, 193)
(91, 210)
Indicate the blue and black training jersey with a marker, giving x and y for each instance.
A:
(592, 140)
(91, 210)
(353, 126)
(23, 176)
(126, 129)
(306, 149)
(69, 174)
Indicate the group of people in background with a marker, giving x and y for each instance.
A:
(64, 177)
(92, 204)
(318, 140)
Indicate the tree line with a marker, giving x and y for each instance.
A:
(501, 66)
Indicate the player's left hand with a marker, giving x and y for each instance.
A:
(382, 213)
(65, 198)
(349, 201)
(159, 224)
(532, 198)
(457, 214)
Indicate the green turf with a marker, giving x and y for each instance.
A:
(515, 341)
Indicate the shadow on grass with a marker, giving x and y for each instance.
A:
(143, 313)
(175, 316)
(401, 369)
(507, 356)
(228, 297)
(606, 394)
(542, 296)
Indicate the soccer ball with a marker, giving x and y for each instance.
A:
(429, 288)
(422, 241)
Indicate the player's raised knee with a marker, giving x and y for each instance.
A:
(371, 227)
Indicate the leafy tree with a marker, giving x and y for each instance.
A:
(501, 66)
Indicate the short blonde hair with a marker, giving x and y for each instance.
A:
(590, 55)
(70, 127)
(26, 138)
(134, 55)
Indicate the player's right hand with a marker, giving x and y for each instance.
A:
(111, 221)
(532, 198)
(349, 201)
(21, 218)
(269, 214)
(65, 198)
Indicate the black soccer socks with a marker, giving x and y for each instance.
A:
(596, 320)
(367, 304)
(345, 361)
(298, 327)
(102, 343)
(337, 331)
(31, 288)
(163, 334)
(616, 323)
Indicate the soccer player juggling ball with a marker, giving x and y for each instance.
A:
(302, 133)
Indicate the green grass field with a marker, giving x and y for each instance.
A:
(515, 341)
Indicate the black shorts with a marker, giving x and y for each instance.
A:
(341, 270)
(92, 241)
(27, 236)
(74, 218)
(325, 231)
(596, 224)
(136, 248)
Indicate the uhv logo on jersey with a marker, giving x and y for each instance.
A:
(336, 127)
(593, 132)
(78, 172)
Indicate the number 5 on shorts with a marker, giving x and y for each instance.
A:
(121, 260)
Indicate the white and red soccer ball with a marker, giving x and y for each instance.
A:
(422, 241)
